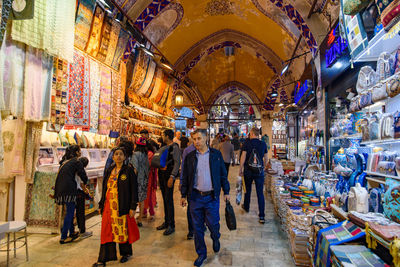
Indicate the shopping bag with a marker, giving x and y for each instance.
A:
(230, 216)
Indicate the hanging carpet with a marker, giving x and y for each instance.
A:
(158, 82)
(94, 69)
(93, 44)
(105, 101)
(139, 73)
(153, 83)
(149, 78)
(116, 104)
(112, 45)
(83, 22)
(121, 45)
(105, 39)
(163, 86)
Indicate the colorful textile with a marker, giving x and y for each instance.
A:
(163, 86)
(153, 83)
(83, 22)
(78, 115)
(139, 74)
(51, 29)
(164, 98)
(122, 73)
(149, 78)
(1, 151)
(13, 137)
(5, 8)
(122, 41)
(93, 43)
(112, 45)
(12, 67)
(38, 78)
(94, 95)
(114, 228)
(116, 102)
(40, 210)
(159, 78)
(58, 95)
(105, 101)
(168, 104)
(22, 9)
(33, 136)
(105, 39)
(351, 255)
(336, 234)
(391, 199)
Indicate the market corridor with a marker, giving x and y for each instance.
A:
(252, 244)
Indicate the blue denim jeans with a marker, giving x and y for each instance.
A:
(259, 181)
(68, 221)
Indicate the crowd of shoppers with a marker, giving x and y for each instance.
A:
(130, 181)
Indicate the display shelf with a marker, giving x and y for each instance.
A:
(381, 142)
(375, 180)
(382, 42)
(382, 175)
(346, 137)
(149, 111)
(147, 123)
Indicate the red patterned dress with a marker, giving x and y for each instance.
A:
(114, 228)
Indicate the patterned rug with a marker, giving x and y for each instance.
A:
(123, 39)
(336, 234)
(83, 22)
(141, 65)
(112, 46)
(116, 103)
(77, 115)
(93, 43)
(94, 95)
(59, 89)
(349, 255)
(149, 78)
(163, 86)
(41, 210)
(105, 101)
(105, 39)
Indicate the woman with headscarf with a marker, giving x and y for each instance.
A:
(66, 189)
(140, 163)
(118, 205)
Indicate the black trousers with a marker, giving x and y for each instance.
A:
(227, 168)
(168, 198)
(108, 251)
(80, 211)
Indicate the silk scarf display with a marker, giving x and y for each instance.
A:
(22, 9)
(33, 136)
(337, 234)
(105, 101)
(112, 46)
(77, 115)
(12, 66)
(13, 135)
(38, 78)
(122, 73)
(94, 95)
(105, 39)
(164, 98)
(153, 83)
(83, 22)
(158, 81)
(161, 90)
(149, 78)
(126, 70)
(142, 63)
(5, 8)
(93, 43)
(116, 103)
(40, 210)
(120, 49)
(51, 29)
(58, 95)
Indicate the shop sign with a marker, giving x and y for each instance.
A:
(302, 90)
(336, 47)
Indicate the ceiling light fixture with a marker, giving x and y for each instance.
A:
(274, 94)
(165, 64)
(281, 104)
(285, 68)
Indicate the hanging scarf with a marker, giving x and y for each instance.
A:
(93, 44)
(119, 51)
(112, 46)
(33, 135)
(105, 101)
(94, 95)
(105, 39)
(83, 21)
(116, 103)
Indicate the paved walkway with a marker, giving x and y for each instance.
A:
(252, 244)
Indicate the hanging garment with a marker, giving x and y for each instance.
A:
(105, 101)
(112, 46)
(77, 114)
(116, 103)
(5, 12)
(83, 22)
(149, 78)
(12, 66)
(13, 137)
(59, 89)
(123, 39)
(33, 136)
(38, 78)
(22, 9)
(93, 44)
(105, 39)
(51, 29)
(94, 95)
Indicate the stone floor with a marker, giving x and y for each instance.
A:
(252, 244)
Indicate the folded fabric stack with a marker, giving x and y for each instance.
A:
(298, 246)
(353, 255)
(361, 218)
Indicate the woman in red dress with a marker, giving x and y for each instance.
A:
(150, 201)
(117, 206)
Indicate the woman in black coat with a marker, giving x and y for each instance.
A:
(66, 189)
(117, 206)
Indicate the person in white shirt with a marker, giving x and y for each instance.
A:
(177, 138)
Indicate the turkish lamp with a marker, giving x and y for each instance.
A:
(179, 99)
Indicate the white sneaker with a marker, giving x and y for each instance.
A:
(86, 235)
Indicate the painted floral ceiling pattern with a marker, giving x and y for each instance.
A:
(266, 32)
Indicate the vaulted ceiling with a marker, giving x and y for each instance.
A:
(193, 35)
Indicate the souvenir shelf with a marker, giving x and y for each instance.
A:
(150, 111)
(147, 123)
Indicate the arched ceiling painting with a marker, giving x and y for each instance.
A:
(193, 34)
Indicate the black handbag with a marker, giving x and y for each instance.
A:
(230, 216)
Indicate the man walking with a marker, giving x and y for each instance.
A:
(254, 151)
(236, 148)
(226, 149)
(204, 174)
(184, 141)
(166, 179)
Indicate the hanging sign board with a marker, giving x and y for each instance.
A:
(302, 92)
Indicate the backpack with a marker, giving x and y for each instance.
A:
(159, 159)
(254, 164)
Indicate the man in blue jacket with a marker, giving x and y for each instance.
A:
(204, 174)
